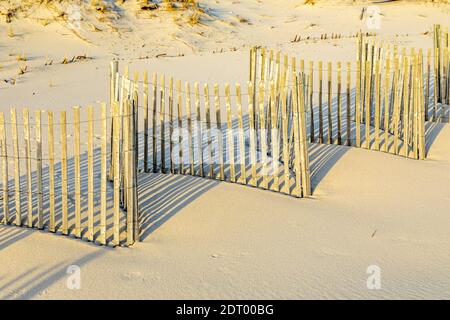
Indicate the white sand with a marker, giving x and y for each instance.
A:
(219, 240)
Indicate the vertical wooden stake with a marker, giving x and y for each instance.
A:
(103, 198)
(189, 123)
(263, 142)
(243, 175)
(146, 120)
(339, 104)
(251, 116)
(219, 132)
(27, 142)
(180, 128)
(386, 91)
(162, 110)
(377, 105)
(199, 130)
(171, 126)
(90, 174)
(311, 95)
(230, 135)
(297, 157)
(116, 140)
(320, 102)
(208, 109)
(367, 99)
(64, 191)
(39, 169)
(348, 123)
(5, 176)
(306, 182)
(284, 128)
(358, 105)
(76, 116)
(275, 139)
(330, 106)
(154, 115)
(51, 170)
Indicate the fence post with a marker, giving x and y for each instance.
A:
(208, 110)
(243, 175)
(180, 125)
(274, 138)
(146, 119)
(90, 168)
(230, 135)
(199, 130)
(219, 132)
(64, 195)
(51, 169)
(76, 113)
(27, 144)
(251, 116)
(39, 169)
(5, 180)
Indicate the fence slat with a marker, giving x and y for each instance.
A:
(5, 176)
(330, 106)
(320, 101)
(349, 111)
(275, 139)
(208, 110)
(27, 144)
(76, 111)
(199, 129)
(38, 139)
(90, 168)
(162, 110)
(230, 135)
(263, 140)
(243, 173)
(180, 127)
(311, 95)
(51, 170)
(251, 117)
(116, 140)
(189, 123)
(219, 132)
(103, 199)
(154, 113)
(358, 104)
(171, 126)
(146, 119)
(64, 190)
(339, 103)
(297, 158)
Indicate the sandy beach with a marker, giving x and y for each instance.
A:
(212, 239)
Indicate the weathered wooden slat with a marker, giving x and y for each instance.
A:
(189, 123)
(154, 123)
(252, 135)
(76, 114)
(51, 171)
(219, 132)
(146, 119)
(209, 111)
(64, 189)
(199, 130)
(241, 136)
(230, 134)
(38, 139)
(5, 175)
(90, 168)
(27, 145)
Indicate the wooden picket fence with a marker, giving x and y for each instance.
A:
(183, 131)
(441, 72)
(65, 188)
(379, 102)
